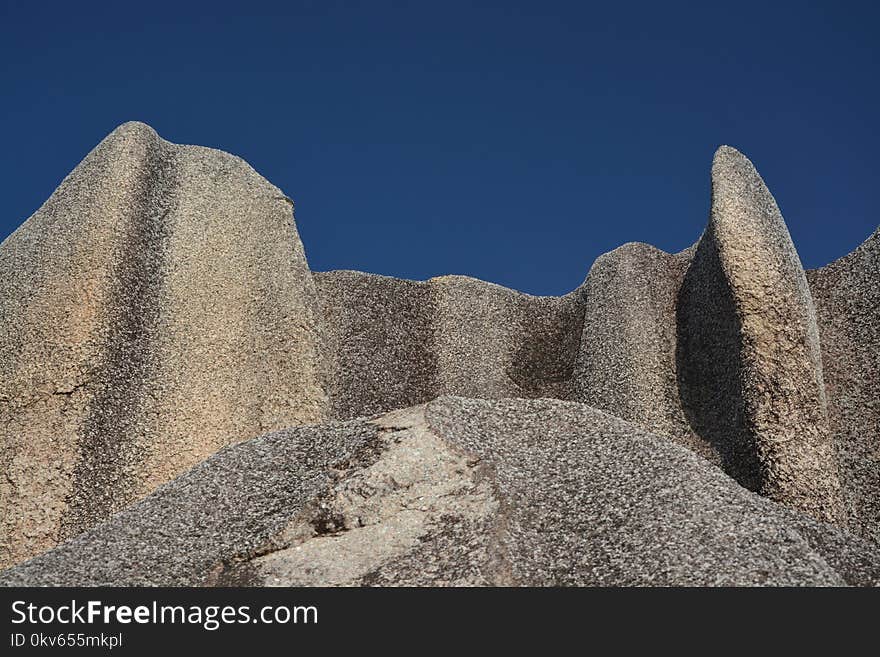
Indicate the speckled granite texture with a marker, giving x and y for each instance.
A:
(705, 417)
(151, 311)
(458, 492)
(748, 348)
(847, 298)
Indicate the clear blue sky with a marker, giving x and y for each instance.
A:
(514, 142)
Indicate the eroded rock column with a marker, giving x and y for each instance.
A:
(748, 348)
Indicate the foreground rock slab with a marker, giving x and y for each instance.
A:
(458, 492)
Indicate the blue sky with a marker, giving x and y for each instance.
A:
(514, 142)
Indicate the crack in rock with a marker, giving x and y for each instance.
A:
(373, 513)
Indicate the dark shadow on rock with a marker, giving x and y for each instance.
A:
(379, 338)
(544, 360)
(708, 365)
(101, 483)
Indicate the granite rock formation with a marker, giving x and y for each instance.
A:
(393, 343)
(750, 366)
(705, 417)
(151, 311)
(458, 492)
(847, 298)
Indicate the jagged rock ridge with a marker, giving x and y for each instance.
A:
(159, 307)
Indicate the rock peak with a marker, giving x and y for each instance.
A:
(134, 128)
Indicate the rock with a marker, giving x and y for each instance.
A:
(750, 366)
(494, 342)
(715, 347)
(457, 492)
(478, 336)
(392, 343)
(152, 309)
(626, 364)
(847, 298)
(159, 308)
(379, 342)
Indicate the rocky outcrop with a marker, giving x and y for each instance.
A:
(847, 297)
(159, 307)
(458, 492)
(750, 365)
(151, 311)
(626, 364)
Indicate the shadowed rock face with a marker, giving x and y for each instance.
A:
(159, 307)
(393, 343)
(626, 363)
(379, 341)
(847, 296)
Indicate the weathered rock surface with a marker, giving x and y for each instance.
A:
(750, 366)
(458, 492)
(159, 307)
(379, 342)
(151, 309)
(847, 297)
(392, 343)
(626, 364)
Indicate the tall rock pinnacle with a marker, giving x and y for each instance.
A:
(151, 309)
(750, 363)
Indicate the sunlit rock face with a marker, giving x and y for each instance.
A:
(156, 308)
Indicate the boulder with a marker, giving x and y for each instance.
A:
(458, 492)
